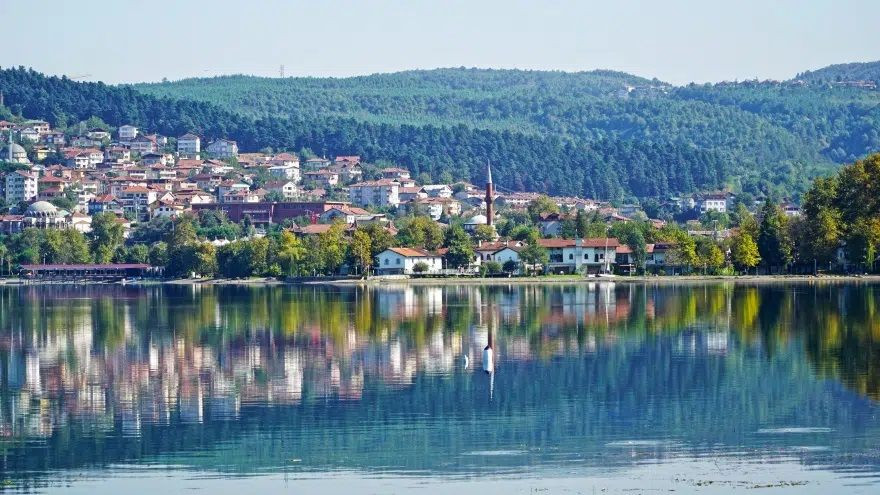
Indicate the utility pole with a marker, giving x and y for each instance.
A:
(281, 71)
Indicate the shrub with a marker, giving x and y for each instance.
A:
(510, 266)
(493, 267)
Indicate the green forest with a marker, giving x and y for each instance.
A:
(600, 134)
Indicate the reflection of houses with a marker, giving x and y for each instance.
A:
(99, 367)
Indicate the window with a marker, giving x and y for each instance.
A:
(386, 261)
(570, 256)
(586, 257)
(398, 261)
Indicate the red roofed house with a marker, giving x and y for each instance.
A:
(144, 144)
(105, 202)
(580, 255)
(137, 200)
(402, 261)
(381, 193)
(348, 214)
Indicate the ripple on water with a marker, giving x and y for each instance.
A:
(489, 453)
(642, 443)
(793, 430)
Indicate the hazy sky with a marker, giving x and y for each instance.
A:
(674, 40)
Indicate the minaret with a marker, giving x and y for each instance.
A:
(490, 194)
(9, 145)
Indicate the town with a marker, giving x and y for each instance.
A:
(120, 192)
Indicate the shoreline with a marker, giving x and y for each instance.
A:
(578, 280)
(487, 281)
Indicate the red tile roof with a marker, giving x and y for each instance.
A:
(412, 252)
(593, 242)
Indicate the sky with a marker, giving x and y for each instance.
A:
(677, 41)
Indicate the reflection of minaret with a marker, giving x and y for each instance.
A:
(489, 360)
(490, 194)
(489, 350)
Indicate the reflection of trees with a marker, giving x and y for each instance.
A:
(190, 351)
(842, 333)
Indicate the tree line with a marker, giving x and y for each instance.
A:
(840, 221)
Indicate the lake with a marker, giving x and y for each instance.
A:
(594, 388)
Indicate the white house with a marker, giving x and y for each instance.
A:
(29, 134)
(189, 145)
(402, 261)
(98, 134)
(438, 190)
(348, 214)
(137, 199)
(714, 202)
(231, 188)
(437, 207)
(223, 148)
(381, 193)
(506, 254)
(20, 186)
(578, 255)
(324, 178)
(395, 173)
(286, 188)
(144, 144)
(285, 171)
(127, 132)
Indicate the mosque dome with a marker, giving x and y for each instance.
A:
(19, 154)
(16, 149)
(477, 220)
(43, 209)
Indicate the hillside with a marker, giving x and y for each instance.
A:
(602, 168)
(762, 128)
(857, 71)
(601, 134)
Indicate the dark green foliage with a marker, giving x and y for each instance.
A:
(600, 134)
(858, 71)
(603, 165)
(772, 136)
(460, 247)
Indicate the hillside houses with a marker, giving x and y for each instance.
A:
(137, 175)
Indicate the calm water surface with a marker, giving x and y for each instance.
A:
(622, 388)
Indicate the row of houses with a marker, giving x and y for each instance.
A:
(569, 256)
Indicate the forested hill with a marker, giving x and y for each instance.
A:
(602, 168)
(771, 132)
(601, 134)
(857, 71)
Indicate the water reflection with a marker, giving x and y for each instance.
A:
(396, 379)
